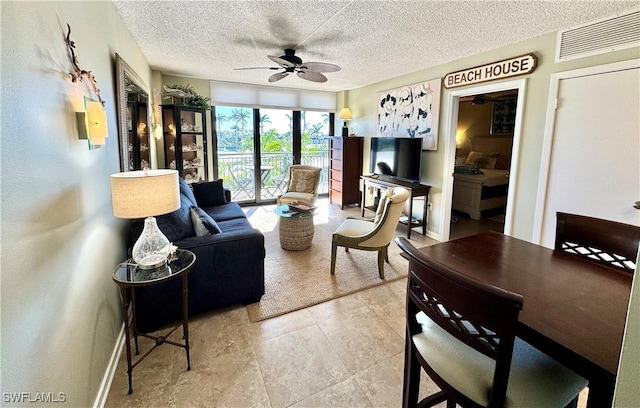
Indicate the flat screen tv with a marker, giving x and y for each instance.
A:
(396, 157)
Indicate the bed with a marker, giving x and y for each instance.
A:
(475, 193)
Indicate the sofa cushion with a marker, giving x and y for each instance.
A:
(203, 224)
(235, 225)
(209, 193)
(225, 212)
(293, 196)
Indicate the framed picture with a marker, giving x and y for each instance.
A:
(411, 111)
(504, 116)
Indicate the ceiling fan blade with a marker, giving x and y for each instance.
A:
(282, 62)
(241, 69)
(278, 76)
(312, 76)
(320, 67)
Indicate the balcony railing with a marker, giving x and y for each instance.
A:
(238, 172)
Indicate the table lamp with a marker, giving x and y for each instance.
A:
(145, 194)
(345, 114)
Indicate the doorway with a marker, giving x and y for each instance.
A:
(499, 139)
(484, 141)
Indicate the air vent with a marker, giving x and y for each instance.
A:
(599, 37)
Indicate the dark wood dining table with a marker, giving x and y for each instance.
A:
(574, 309)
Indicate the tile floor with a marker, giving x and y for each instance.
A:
(347, 352)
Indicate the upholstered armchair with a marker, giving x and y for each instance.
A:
(372, 234)
(303, 184)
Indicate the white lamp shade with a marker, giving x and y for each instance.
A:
(345, 114)
(144, 193)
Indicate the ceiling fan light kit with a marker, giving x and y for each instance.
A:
(291, 63)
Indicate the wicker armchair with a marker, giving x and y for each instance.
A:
(303, 184)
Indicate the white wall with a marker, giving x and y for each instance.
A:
(59, 241)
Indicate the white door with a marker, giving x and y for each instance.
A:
(592, 148)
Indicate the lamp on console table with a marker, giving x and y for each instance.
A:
(145, 194)
(345, 114)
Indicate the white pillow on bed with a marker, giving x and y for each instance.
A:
(484, 162)
(475, 159)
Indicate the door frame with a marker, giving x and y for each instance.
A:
(550, 124)
(450, 149)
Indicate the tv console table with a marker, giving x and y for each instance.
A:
(380, 182)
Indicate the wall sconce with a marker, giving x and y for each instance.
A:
(92, 123)
(345, 114)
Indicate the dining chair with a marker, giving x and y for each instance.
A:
(607, 242)
(462, 332)
(303, 184)
(371, 234)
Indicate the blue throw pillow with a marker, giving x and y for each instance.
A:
(203, 224)
(209, 193)
(185, 190)
(178, 224)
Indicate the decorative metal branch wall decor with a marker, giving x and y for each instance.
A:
(411, 111)
(79, 72)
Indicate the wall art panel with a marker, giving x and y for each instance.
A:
(411, 111)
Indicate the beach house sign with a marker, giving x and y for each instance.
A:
(524, 64)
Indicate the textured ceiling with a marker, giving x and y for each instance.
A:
(371, 40)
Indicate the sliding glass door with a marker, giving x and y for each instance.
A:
(255, 147)
(276, 151)
(235, 150)
(315, 144)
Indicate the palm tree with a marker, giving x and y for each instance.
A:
(240, 117)
(271, 142)
(263, 120)
(316, 129)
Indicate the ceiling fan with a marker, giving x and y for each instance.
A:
(479, 100)
(482, 99)
(290, 63)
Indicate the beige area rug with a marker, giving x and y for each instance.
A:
(298, 279)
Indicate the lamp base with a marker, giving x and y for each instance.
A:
(345, 131)
(152, 249)
(153, 267)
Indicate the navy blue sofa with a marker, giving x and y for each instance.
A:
(229, 267)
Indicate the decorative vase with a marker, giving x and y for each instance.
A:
(152, 248)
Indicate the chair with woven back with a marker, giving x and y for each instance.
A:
(462, 332)
(303, 184)
(607, 242)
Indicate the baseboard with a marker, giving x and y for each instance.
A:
(105, 386)
(434, 235)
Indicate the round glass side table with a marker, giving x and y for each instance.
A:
(128, 276)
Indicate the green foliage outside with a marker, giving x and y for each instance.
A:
(235, 133)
